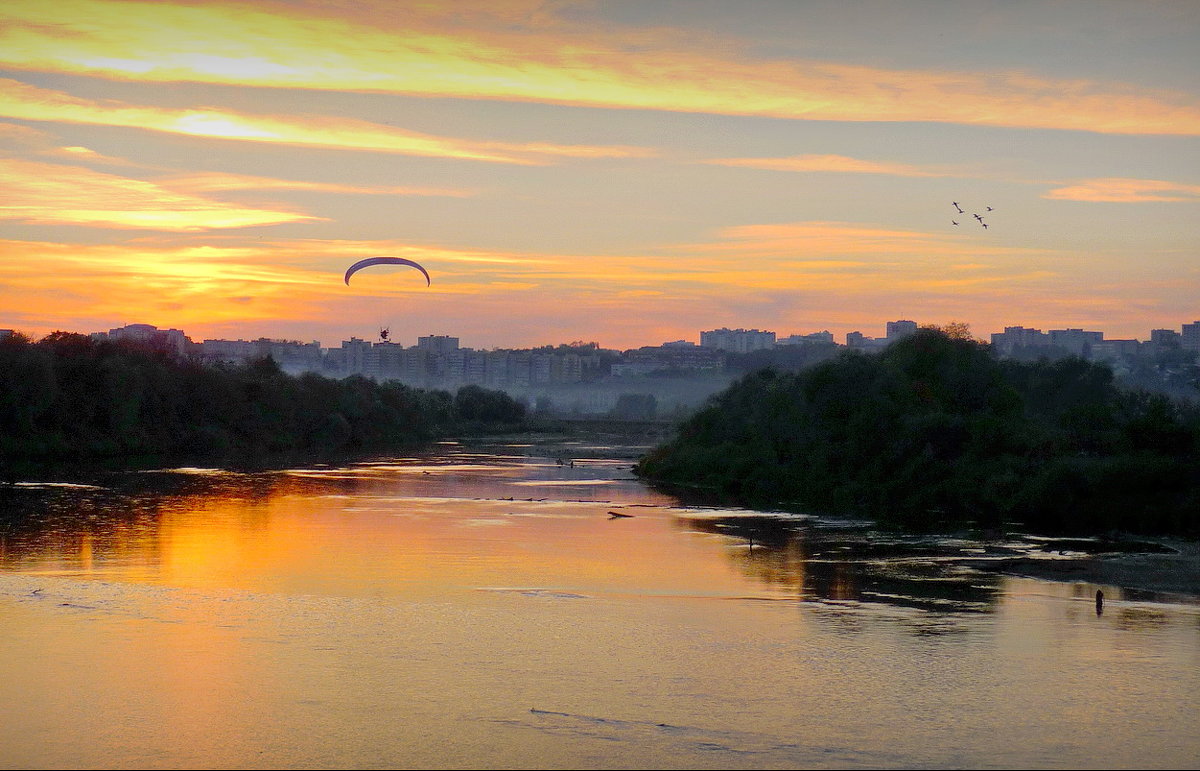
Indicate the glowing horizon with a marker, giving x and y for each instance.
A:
(624, 173)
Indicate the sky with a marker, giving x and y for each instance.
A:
(628, 172)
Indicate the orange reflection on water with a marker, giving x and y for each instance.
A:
(332, 617)
(386, 531)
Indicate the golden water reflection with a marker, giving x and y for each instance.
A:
(458, 518)
(472, 607)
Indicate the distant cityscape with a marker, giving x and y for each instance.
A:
(583, 377)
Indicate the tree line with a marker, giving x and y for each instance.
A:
(69, 396)
(935, 430)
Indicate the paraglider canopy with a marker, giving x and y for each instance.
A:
(383, 261)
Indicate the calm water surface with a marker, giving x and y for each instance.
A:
(481, 606)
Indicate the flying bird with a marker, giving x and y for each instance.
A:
(976, 216)
(989, 208)
(981, 222)
(952, 222)
(960, 211)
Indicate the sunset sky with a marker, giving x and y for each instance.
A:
(624, 171)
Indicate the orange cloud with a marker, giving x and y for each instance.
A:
(215, 182)
(78, 153)
(71, 281)
(16, 134)
(1121, 190)
(203, 288)
(47, 193)
(16, 139)
(823, 275)
(839, 240)
(425, 49)
(830, 163)
(22, 101)
(773, 257)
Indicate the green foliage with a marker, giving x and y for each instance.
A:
(479, 404)
(635, 407)
(935, 431)
(68, 396)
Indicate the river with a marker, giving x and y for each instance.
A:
(532, 605)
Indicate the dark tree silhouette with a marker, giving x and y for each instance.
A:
(934, 430)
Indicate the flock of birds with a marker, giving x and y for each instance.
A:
(978, 217)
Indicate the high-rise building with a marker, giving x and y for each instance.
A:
(165, 339)
(1076, 341)
(1189, 338)
(1013, 338)
(355, 353)
(1114, 350)
(438, 343)
(1165, 338)
(901, 328)
(737, 340)
(824, 336)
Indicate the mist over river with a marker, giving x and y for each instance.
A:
(530, 604)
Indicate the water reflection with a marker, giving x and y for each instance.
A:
(450, 518)
(118, 520)
(477, 606)
(565, 519)
(848, 565)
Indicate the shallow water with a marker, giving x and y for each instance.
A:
(481, 606)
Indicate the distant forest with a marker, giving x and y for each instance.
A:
(68, 396)
(935, 431)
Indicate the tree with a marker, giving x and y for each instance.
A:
(934, 430)
(955, 330)
(475, 403)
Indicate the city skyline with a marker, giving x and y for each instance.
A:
(1186, 332)
(681, 373)
(625, 172)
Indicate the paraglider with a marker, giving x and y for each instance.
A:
(384, 261)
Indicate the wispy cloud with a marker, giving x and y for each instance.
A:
(425, 49)
(86, 154)
(792, 277)
(1124, 190)
(838, 164)
(803, 257)
(21, 141)
(844, 240)
(50, 193)
(16, 135)
(178, 285)
(219, 182)
(25, 102)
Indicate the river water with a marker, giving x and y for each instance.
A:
(532, 605)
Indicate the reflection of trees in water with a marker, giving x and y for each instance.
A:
(119, 519)
(73, 529)
(1141, 619)
(110, 516)
(839, 566)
